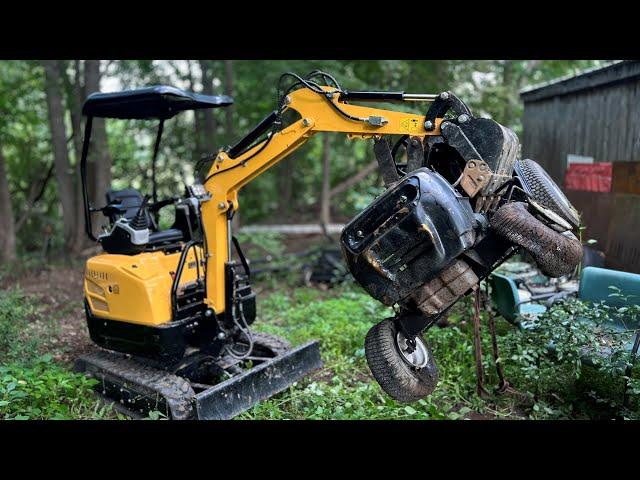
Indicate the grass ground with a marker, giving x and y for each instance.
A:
(42, 330)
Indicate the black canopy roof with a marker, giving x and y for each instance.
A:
(160, 102)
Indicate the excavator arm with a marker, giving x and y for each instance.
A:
(319, 112)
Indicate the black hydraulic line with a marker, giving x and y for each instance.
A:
(83, 178)
(176, 279)
(243, 259)
(396, 146)
(156, 148)
(239, 164)
(272, 120)
(253, 135)
(373, 96)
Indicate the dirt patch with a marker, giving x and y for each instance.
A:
(60, 319)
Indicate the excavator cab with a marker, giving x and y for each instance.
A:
(133, 218)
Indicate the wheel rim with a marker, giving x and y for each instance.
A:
(419, 357)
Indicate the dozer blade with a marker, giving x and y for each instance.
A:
(240, 393)
(138, 389)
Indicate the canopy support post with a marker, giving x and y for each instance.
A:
(156, 148)
(83, 178)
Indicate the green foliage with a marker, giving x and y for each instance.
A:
(556, 385)
(15, 312)
(344, 389)
(45, 390)
(33, 386)
(261, 244)
(25, 143)
(573, 363)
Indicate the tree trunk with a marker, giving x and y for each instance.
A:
(74, 97)
(74, 104)
(198, 148)
(325, 197)
(63, 169)
(7, 232)
(228, 90)
(100, 166)
(209, 142)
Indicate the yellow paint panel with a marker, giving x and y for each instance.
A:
(135, 288)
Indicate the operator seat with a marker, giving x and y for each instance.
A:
(132, 199)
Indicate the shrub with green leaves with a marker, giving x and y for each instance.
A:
(573, 361)
(45, 390)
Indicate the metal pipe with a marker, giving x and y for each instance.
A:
(419, 97)
(389, 96)
(229, 235)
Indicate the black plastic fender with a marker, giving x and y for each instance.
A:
(408, 235)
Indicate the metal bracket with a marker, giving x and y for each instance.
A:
(446, 101)
(385, 160)
(475, 177)
(415, 154)
(455, 137)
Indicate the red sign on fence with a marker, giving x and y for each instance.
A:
(593, 177)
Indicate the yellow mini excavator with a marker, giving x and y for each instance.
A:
(172, 308)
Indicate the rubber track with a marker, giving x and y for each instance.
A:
(145, 380)
(275, 344)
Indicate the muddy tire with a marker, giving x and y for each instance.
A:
(398, 378)
(544, 190)
(554, 253)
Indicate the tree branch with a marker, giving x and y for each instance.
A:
(351, 181)
(34, 196)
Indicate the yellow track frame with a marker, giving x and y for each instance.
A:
(228, 176)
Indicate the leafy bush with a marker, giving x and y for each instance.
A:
(15, 312)
(571, 361)
(45, 390)
(552, 383)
